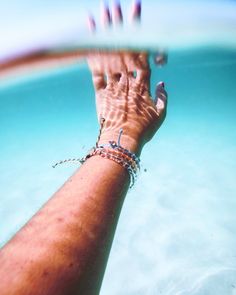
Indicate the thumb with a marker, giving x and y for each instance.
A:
(161, 98)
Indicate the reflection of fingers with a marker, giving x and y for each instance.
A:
(136, 10)
(91, 24)
(105, 15)
(117, 12)
(161, 98)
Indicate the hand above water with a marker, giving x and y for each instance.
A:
(121, 81)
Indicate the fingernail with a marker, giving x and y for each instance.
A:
(137, 10)
(106, 14)
(160, 58)
(91, 23)
(118, 12)
(162, 84)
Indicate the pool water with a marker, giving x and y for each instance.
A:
(177, 230)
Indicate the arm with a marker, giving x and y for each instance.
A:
(64, 248)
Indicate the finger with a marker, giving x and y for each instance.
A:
(136, 11)
(143, 76)
(91, 23)
(161, 97)
(136, 61)
(138, 67)
(124, 80)
(99, 81)
(116, 69)
(124, 74)
(113, 77)
(105, 15)
(142, 62)
(117, 12)
(143, 68)
(160, 58)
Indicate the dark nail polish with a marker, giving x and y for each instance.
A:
(107, 14)
(118, 11)
(162, 84)
(138, 8)
(91, 23)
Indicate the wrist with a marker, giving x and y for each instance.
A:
(126, 141)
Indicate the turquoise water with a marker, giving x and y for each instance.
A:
(177, 230)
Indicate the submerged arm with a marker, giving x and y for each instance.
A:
(64, 248)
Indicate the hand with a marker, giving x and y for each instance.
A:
(121, 81)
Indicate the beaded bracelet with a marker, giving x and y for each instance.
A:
(121, 161)
(115, 152)
(127, 162)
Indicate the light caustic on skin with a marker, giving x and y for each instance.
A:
(121, 80)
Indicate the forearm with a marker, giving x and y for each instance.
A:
(65, 246)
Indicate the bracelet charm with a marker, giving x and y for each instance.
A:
(115, 152)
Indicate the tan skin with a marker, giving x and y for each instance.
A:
(64, 248)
